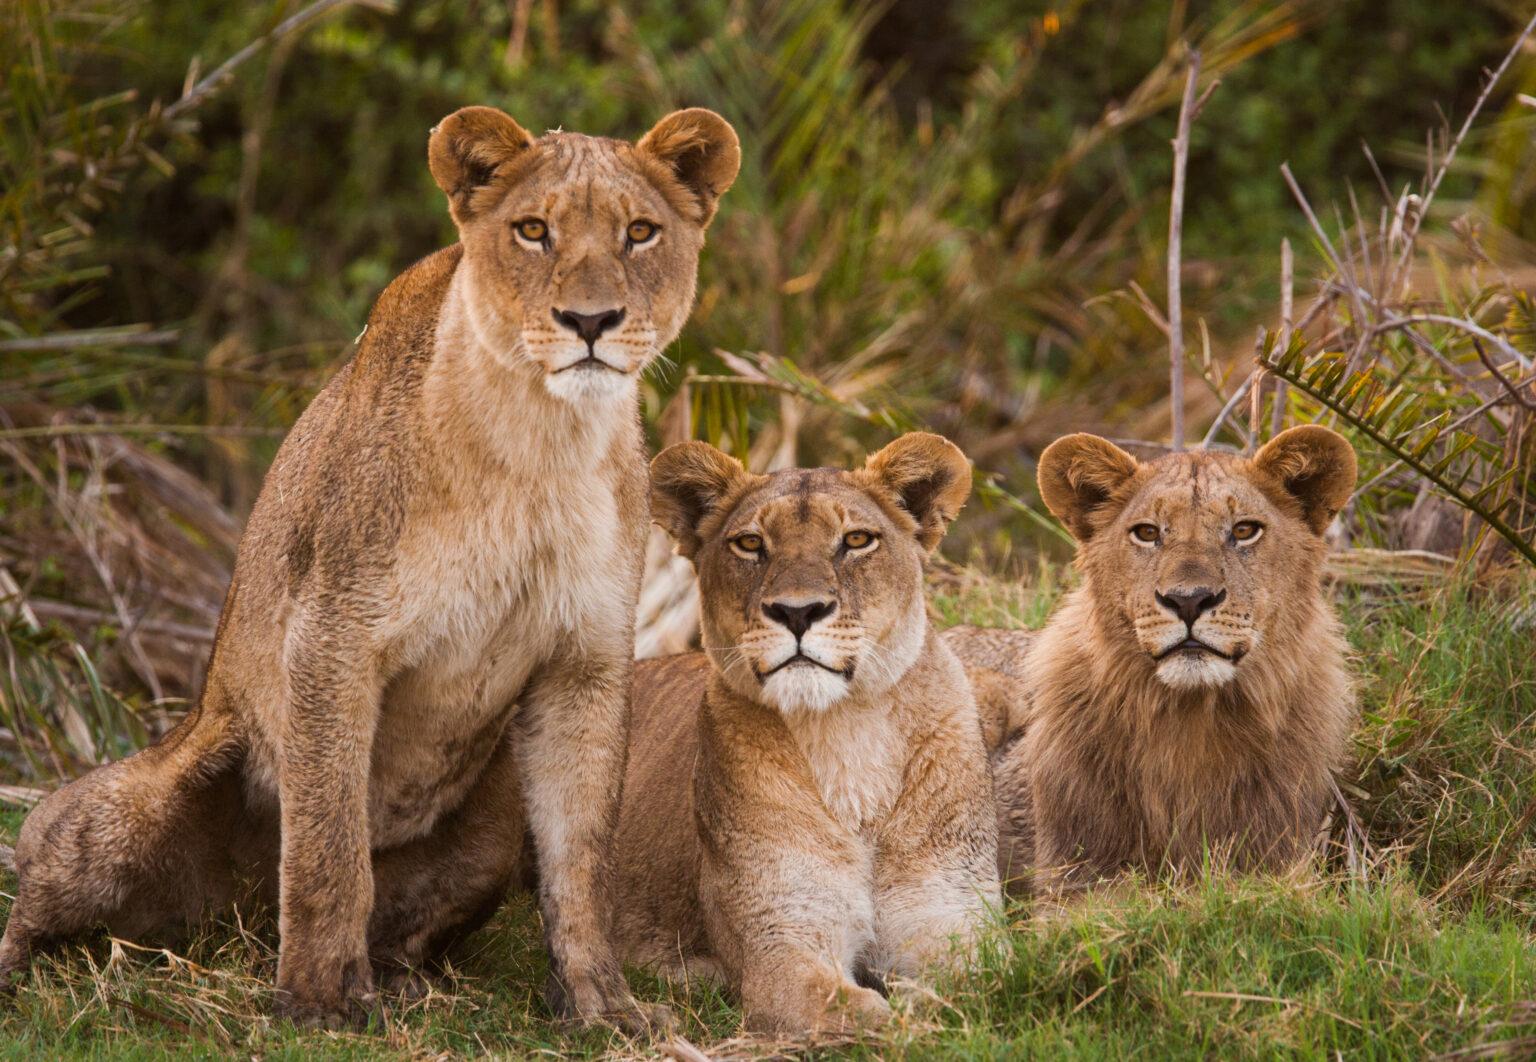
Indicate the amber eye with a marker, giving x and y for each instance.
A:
(641, 232)
(1145, 534)
(533, 230)
(751, 544)
(1247, 531)
(858, 539)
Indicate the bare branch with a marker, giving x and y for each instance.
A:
(1438, 174)
(215, 81)
(1175, 239)
(1514, 391)
(1287, 307)
(132, 336)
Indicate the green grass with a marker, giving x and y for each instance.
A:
(1425, 947)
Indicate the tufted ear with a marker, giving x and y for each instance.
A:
(1316, 466)
(1077, 475)
(699, 148)
(466, 149)
(688, 481)
(929, 477)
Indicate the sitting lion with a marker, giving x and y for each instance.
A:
(1191, 696)
(427, 647)
(807, 806)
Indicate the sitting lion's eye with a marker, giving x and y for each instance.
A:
(1145, 534)
(641, 232)
(533, 230)
(1247, 530)
(748, 544)
(858, 539)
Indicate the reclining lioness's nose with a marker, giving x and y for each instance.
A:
(797, 617)
(590, 325)
(1190, 605)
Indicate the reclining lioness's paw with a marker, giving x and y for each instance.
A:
(854, 1010)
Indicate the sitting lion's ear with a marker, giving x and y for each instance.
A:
(1316, 466)
(700, 150)
(1078, 474)
(930, 478)
(688, 482)
(466, 149)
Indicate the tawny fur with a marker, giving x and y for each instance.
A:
(801, 842)
(426, 650)
(1107, 759)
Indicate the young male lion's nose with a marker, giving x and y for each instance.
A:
(797, 618)
(590, 325)
(1190, 605)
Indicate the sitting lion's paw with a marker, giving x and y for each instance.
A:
(317, 998)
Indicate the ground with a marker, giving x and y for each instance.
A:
(1417, 938)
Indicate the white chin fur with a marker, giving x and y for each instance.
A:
(804, 688)
(1189, 671)
(590, 385)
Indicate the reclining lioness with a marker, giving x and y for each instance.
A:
(427, 645)
(1191, 696)
(807, 805)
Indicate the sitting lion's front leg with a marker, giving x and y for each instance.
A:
(326, 876)
(571, 737)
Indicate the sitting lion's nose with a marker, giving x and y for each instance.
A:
(590, 325)
(1190, 605)
(797, 618)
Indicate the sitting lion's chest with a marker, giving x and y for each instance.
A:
(480, 608)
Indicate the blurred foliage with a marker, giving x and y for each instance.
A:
(946, 216)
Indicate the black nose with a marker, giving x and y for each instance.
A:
(798, 618)
(1190, 605)
(590, 325)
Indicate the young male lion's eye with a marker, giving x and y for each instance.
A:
(1247, 530)
(858, 539)
(748, 543)
(533, 230)
(1145, 534)
(641, 232)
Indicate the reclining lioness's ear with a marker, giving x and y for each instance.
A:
(699, 149)
(1316, 466)
(466, 149)
(688, 482)
(930, 478)
(1077, 475)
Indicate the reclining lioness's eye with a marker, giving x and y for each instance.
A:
(533, 230)
(748, 545)
(1145, 534)
(1247, 530)
(641, 232)
(858, 539)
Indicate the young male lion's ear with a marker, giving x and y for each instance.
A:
(700, 150)
(930, 478)
(1077, 475)
(1316, 466)
(466, 149)
(688, 482)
